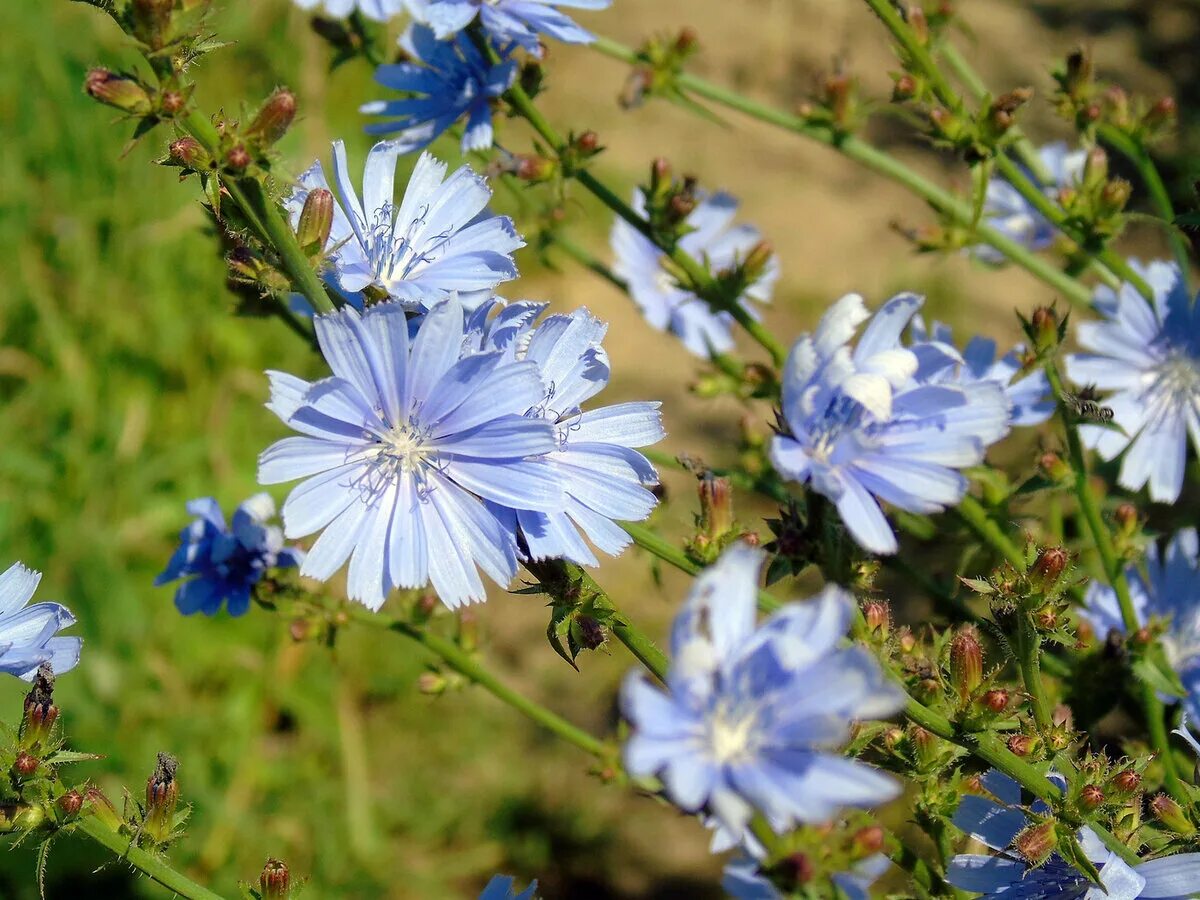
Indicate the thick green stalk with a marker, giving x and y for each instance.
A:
(469, 667)
(1136, 153)
(153, 866)
(875, 160)
(971, 512)
(1114, 574)
(587, 260)
(1029, 652)
(263, 214)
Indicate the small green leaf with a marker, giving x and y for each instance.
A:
(1158, 676)
(978, 585)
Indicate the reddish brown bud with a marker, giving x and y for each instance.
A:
(171, 103)
(117, 91)
(878, 616)
(892, 737)
(1160, 113)
(1171, 814)
(1054, 467)
(716, 505)
(152, 21)
(187, 152)
(1044, 324)
(1048, 568)
(275, 880)
(26, 764)
(535, 168)
(101, 807)
(1037, 842)
(687, 39)
(1142, 637)
(70, 803)
(162, 793)
(274, 118)
(1126, 517)
(1020, 744)
(966, 661)
(1091, 796)
(868, 841)
(995, 700)
(797, 869)
(1127, 781)
(238, 158)
(1114, 197)
(905, 88)
(588, 142)
(316, 221)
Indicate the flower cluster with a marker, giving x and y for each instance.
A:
(861, 427)
(1148, 354)
(219, 564)
(709, 234)
(742, 727)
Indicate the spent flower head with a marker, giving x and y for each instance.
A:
(1148, 355)
(709, 234)
(29, 634)
(440, 239)
(518, 22)
(449, 80)
(753, 713)
(220, 564)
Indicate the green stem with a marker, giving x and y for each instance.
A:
(1137, 154)
(973, 514)
(264, 215)
(880, 163)
(470, 668)
(1029, 650)
(1114, 574)
(153, 866)
(587, 260)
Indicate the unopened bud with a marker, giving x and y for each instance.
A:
(70, 803)
(924, 743)
(1044, 326)
(995, 700)
(1079, 72)
(431, 683)
(687, 39)
(757, 260)
(907, 641)
(1114, 197)
(316, 221)
(1048, 568)
(1003, 109)
(868, 841)
(1036, 843)
(275, 881)
(152, 21)
(273, 120)
(660, 172)
(878, 616)
(535, 168)
(171, 103)
(1046, 617)
(966, 661)
(1160, 113)
(588, 142)
(117, 91)
(1171, 814)
(1091, 796)
(1128, 781)
(1021, 744)
(40, 711)
(1054, 466)
(681, 206)
(716, 505)
(1126, 516)
(915, 16)
(162, 793)
(238, 158)
(1142, 637)
(1062, 716)
(101, 807)
(187, 152)
(589, 632)
(892, 737)
(26, 764)
(1095, 168)
(797, 869)
(905, 88)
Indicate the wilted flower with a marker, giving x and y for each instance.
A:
(861, 429)
(29, 634)
(1011, 214)
(377, 10)
(743, 880)
(667, 306)
(400, 444)
(505, 21)
(451, 80)
(603, 477)
(502, 887)
(939, 362)
(1172, 593)
(1149, 354)
(442, 238)
(997, 822)
(221, 564)
(752, 712)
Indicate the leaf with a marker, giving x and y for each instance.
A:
(1189, 220)
(978, 585)
(43, 858)
(63, 757)
(1158, 676)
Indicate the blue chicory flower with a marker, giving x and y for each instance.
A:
(221, 564)
(667, 306)
(939, 362)
(508, 21)
(502, 887)
(1011, 214)
(441, 239)
(1149, 355)
(29, 634)
(449, 80)
(399, 445)
(997, 820)
(376, 10)
(744, 881)
(1171, 593)
(604, 478)
(752, 711)
(860, 428)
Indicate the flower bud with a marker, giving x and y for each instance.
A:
(1161, 113)
(1114, 197)
(1044, 329)
(171, 103)
(273, 119)
(316, 221)
(797, 869)
(1128, 781)
(1051, 562)
(1095, 168)
(908, 642)
(162, 793)
(757, 260)
(275, 881)
(26, 764)
(681, 206)
(868, 841)
(1021, 744)
(29, 818)
(152, 21)
(535, 169)
(1036, 843)
(70, 803)
(878, 616)
(966, 661)
(101, 807)
(1126, 517)
(716, 505)
(924, 743)
(1053, 465)
(686, 40)
(117, 91)
(188, 153)
(40, 711)
(1171, 814)
(995, 700)
(238, 158)
(589, 632)
(588, 142)
(904, 89)
(1078, 72)
(432, 684)
(1002, 114)
(892, 737)
(915, 16)
(1091, 797)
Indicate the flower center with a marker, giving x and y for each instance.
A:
(1176, 381)
(403, 449)
(731, 734)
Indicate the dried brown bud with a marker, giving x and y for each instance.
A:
(687, 39)
(878, 615)
(162, 793)
(797, 869)
(716, 505)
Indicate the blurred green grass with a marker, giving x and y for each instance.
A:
(126, 388)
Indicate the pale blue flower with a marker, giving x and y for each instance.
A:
(1011, 214)
(222, 564)
(604, 478)
(939, 362)
(997, 820)
(861, 429)
(449, 80)
(400, 444)
(1172, 593)
(1149, 355)
(508, 21)
(712, 237)
(376, 10)
(743, 880)
(502, 887)
(29, 634)
(441, 239)
(754, 714)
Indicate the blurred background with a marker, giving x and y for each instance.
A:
(126, 388)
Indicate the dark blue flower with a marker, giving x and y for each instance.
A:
(221, 564)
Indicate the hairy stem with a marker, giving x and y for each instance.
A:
(972, 513)
(153, 866)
